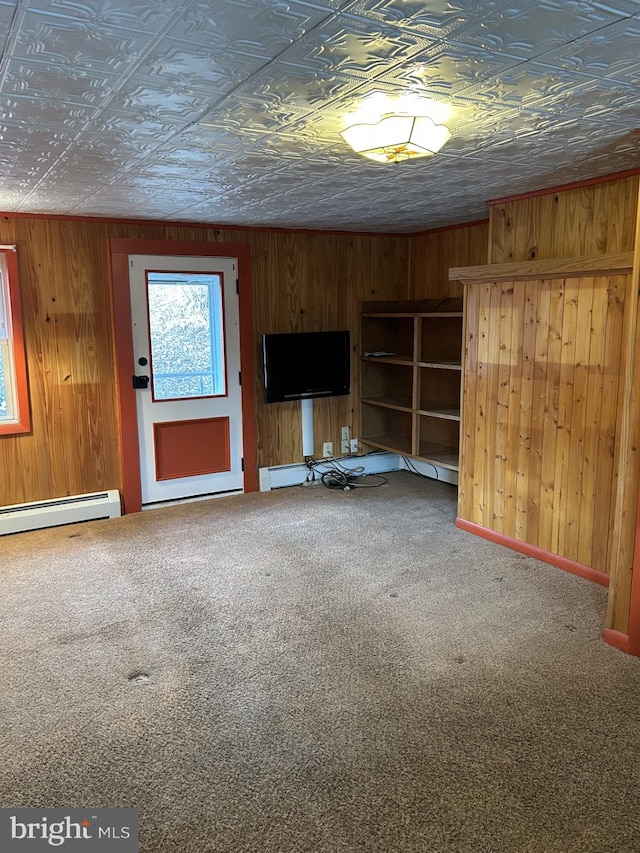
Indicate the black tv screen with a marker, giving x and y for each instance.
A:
(299, 365)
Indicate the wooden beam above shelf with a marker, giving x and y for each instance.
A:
(619, 263)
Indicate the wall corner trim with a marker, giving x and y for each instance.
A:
(559, 188)
(534, 551)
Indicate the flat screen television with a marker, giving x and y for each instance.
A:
(301, 365)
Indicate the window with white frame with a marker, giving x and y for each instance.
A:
(14, 407)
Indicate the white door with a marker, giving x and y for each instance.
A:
(186, 343)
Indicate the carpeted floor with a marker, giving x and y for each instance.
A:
(317, 671)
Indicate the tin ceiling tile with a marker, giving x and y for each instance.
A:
(203, 68)
(172, 165)
(48, 113)
(436, 19)
(593, 55)
(254, 115)
(150, 100)
(452, 68)
(529, 28)
(142, 16)
(7, 10)
(355, 48)
(33, 141)
(281, 85)
(261, 30)
(44, 80)
(231, 109)
(78, 43)
(142, 128)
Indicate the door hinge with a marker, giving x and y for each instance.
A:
(242, 464)
(239, 377)
(237, 285)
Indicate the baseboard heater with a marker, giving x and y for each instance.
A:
(52, 513)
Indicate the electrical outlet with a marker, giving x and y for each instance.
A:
(344, 444)
(327, 449)
(354, 445)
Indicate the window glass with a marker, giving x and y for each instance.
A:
(186, 335)
(14, 415)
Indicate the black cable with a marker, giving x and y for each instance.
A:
(414, 470)
(338, 476)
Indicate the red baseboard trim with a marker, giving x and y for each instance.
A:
(533, 551)
(616, 639)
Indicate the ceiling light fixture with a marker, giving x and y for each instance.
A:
(390, 130)
(397, 137)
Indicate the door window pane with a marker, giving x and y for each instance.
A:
(14, 402)
(186, 335)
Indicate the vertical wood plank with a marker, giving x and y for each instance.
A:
(524, 471)
(604, 511)
(502, 401)
(575, 496)
(565, 405)
(550, 420)
(491, 380)
(468, 401)
(587, 543)
(517, 312)
(541, 363)
(479, 416)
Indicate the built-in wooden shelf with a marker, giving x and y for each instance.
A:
(390, 403)
(394, 443)
(439, 455)
(441, 365)
(410, 401)
(436, 409)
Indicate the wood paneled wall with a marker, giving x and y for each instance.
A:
(434, 252)
(542, 389)
(309, 282)
(596, 219)
(73, 445)
(301, 281)
(590, 220)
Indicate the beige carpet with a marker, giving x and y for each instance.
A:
(317, 671)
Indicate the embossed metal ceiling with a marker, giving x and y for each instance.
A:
(229, 111)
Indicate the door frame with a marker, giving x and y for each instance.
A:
(119, 249)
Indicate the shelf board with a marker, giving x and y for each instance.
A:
(408, 360)
(389, 359)
(389, 403)
(389, 314)
(433, 409)
(411, 315)
(447, 457)
(441, 365)
(388, 441)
